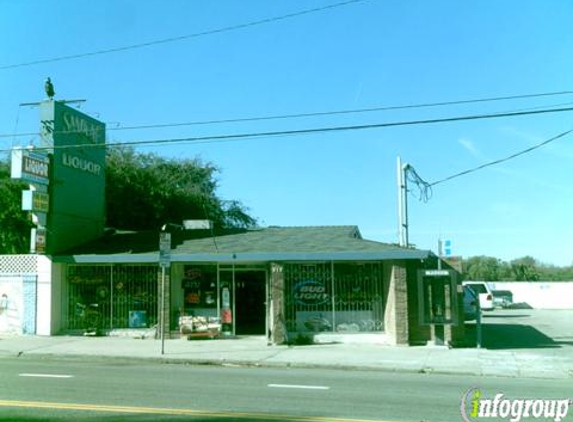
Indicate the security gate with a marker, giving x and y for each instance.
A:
(113, 296)
(337, 297)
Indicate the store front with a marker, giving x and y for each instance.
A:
(127, 296)
(281, 283)
(237, 295)
(317, 296)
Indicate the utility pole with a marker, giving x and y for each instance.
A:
(402, 202)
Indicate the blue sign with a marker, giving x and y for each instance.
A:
(447, 248)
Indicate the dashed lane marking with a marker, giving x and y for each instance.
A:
(302, 387)
(45, 375)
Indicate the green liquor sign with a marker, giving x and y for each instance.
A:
(76, 142)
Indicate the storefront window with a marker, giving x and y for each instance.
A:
(308, 297)
(122, 296)
(200, 290)
(337, 297)
(359, 297)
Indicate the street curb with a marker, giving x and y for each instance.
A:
(258, 364)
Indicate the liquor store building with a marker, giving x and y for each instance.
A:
(285, 283)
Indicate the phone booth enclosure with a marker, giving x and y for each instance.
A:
(437, 297)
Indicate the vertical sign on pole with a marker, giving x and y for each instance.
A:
(164, 262)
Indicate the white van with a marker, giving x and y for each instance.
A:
(484, 293)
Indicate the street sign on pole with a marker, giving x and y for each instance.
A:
(165, 249)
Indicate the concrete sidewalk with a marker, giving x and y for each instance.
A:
(555, 362)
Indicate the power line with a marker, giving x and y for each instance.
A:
(424, 188)
(317, 114)
(501, 160)
(242, 136)
(184, 37)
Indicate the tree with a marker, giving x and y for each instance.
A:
(552, 273)
(145, 191)
(484, 268)
(525, 269)
(15, 224)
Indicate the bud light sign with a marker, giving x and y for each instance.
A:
(310, 292)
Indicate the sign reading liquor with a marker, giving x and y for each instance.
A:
(81, 164)
(310, 292)
(77, 195)
(30, 166)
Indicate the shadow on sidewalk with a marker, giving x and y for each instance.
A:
(487, 316)
(512, 336)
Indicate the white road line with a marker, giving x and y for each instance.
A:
(45, 376)
(304, 387)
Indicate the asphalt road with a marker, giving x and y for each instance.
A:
(58, 390)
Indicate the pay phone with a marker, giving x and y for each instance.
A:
(437, 297)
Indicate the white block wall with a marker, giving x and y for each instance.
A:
(539, 295)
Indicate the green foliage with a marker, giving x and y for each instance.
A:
(15, 224)
(145, 191)
(484, 268)
(525, 269)
(522, 269)
(553, 273)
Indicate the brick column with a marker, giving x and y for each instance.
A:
(278, 327)
(396, 311)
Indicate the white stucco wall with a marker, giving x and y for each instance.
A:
(58, 303)
(11, 305)
(539, 295)
(44, 313)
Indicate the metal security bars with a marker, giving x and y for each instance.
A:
(336, 297)
(359, 298)
(108, 297)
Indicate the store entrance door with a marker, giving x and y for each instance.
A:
(250, 302)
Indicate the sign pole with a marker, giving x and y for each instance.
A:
(162, 319)
(478, 324)
(164, 262)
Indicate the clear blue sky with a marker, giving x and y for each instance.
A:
(367, 54)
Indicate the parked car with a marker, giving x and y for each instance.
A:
(482, 290)
(502, 298)
(470, 304)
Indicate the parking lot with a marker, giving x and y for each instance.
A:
(525, 329)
